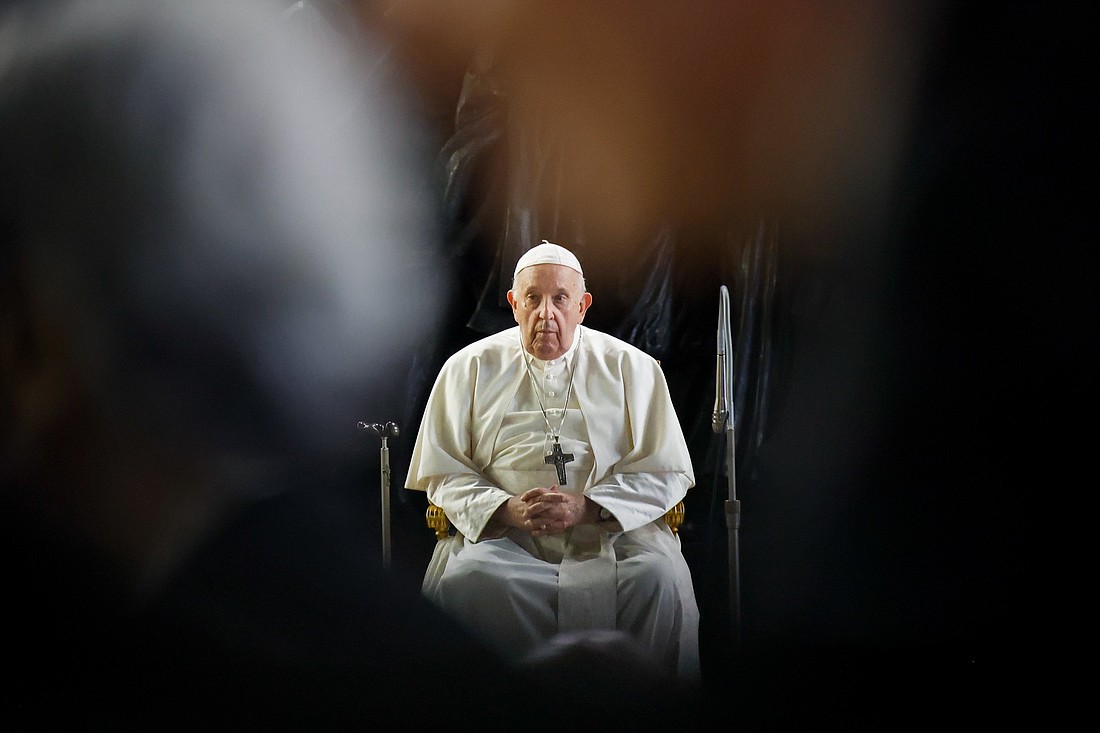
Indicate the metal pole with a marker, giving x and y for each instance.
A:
(724, 420)
(733, 526)
(384, 431)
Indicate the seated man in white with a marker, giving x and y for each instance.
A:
(555, 451)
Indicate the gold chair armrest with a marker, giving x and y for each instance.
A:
(437, 521)
(675, 517)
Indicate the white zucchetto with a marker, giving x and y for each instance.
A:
(548, 253)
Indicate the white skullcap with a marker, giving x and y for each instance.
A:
(548, 253)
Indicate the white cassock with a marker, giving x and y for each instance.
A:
(483, 439)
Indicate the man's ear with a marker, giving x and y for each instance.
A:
(511, 296)
(586, 303)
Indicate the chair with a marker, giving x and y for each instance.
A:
(437, 521)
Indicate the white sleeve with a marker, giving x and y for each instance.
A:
(467, 499)
(636, 499)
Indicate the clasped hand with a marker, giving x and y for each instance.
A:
(547, 511)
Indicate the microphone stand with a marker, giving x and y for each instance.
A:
(384, 431)
(723, 421)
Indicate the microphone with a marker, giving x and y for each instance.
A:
(719, 417)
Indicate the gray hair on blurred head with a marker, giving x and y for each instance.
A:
(220, 216)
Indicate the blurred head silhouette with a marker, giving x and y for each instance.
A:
(209, 219)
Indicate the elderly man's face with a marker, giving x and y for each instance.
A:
(548, 302)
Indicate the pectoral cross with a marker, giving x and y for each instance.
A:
(559, 459)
